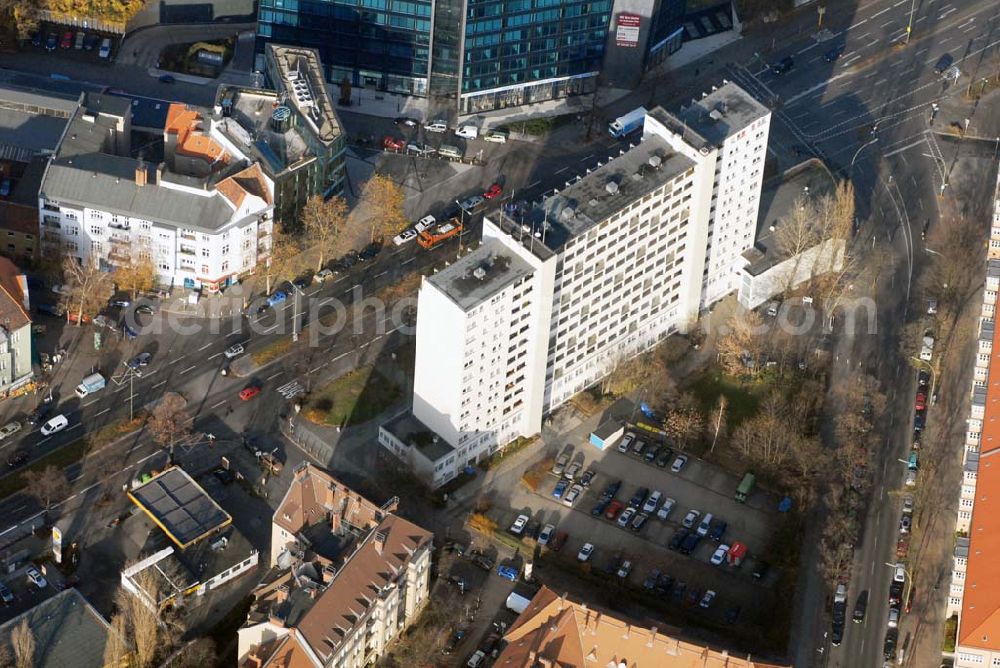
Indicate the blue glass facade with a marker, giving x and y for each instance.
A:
(523, 51)
(383, 44)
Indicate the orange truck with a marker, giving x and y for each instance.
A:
(436, 234)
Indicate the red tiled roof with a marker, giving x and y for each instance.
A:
(191, 141)
(979, 621)
(555, 631)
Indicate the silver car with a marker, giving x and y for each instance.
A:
(9, 429)
(234, 351)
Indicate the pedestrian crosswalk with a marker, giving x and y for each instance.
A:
(291, 390)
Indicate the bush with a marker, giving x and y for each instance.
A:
(950, 633)
(483, 524)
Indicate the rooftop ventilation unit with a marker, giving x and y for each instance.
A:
(479, 273)
(654, 161)
(567, 214)
(715, 115)
(612, 188)
(281, 119)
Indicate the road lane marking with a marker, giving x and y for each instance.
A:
(214, 356)
(235, 332)
(162, 382)
(102, 412)
(408, 261)
(178, 359)
(275, 375)
(875, 16)
(193, 366)
(339, 356)
(207, 345)
(89, 403)
(219, 404)
(382, 274)
(271, 328)
(560, 171)
(887, 23)
(862, 21)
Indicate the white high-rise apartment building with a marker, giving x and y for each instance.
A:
(725, 132)
(602, 271)
(481, 333)
(203, 215)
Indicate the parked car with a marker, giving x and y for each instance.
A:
(573, 494)
(585, 552)
(652, 502)
(393, 144)
(664, 511)
(920, 403)
(679, 463)
(587, 477)
(546, 534)
(36, 578)
(904, 523)
(437, 126)
(664, 457)
(705, 524)
(612, 489)
(517, 528)
(507, 572)
(496, 136)
(719, 556)
(690, 543)
(557, 543)
(494, 191)
(140, 360)
(626, 517)
(678, 538)
(860, 607)
(167, 78)
(706, 600)
(651, 579)
(911, 479)
(899, 573)
(908, 504)
(105, 51)
(322, 276)
(717, 530)
(5, 187)
(9, 429)
(626, 442)
(67, 40)
(560, 466)
(6, 595)
(893, 620)
(639, 521)
(233, 351)
(624, 569)
(639, 497)
(573, 469)
(690, 519)
(406, 121)
(409, 234)
(651, 454)
(19, 458)
(889, 646)
(39, 414)
(476, 659)
(599, 509)
(614, 509)
(560, 488)
(469, 205)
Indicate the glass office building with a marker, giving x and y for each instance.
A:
(526, 51)
(380, 44)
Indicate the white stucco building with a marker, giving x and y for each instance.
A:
(203, 215)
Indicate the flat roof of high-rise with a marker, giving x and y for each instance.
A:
(724, 112)
(480, 274)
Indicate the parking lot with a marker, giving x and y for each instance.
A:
(700, 486)
(73, 42)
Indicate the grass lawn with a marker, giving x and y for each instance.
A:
(353, 398)
(743, 399)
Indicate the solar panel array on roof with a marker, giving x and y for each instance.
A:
(180, 506)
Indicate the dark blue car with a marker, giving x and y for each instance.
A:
(507, 573)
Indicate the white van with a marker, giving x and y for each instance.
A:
(58, 423)
(467, 132)
(437, 126)
(450, 151)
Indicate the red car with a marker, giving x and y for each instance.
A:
(67, 40)
(614, 509)
(393, 144)
(249, 392)
(921, 402)
(493, 191)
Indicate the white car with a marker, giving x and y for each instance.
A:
(664, 511)
(585, 552)
(517, 528)
(409, 234)
(911, 478)
(893, 620)
(907, 503)
(570, 497)
(322, 276)
(233, 351)
(36, 578)
(437, 126)
(626, 517)
(679, 464)
(719, 556)
(707, 599)
(652, 502)
(467, 132)
(691, 518)
(625, 569)
(58, 423)
(626, 442)
(899, 572)
(573, 469)
(546, 535)
(424, 223)
(9, 429)
(105, 51)
(476, 659)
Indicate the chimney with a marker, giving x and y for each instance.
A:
(379, 542)
(141, 176)
(253, 660)
(158, 175)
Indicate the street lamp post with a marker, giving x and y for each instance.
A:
(909, 25)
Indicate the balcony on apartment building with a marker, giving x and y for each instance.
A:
(187, 250)
(119, 253)
(51, 221)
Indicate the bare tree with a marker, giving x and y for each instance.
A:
(6, 656)
(89, 287)
(169, 422)
(323, 223)
(23, 642)
(385, 198)
(719, 420)
(198, 654)
(685, 422)
(626, 375)
(115, 647)
(137, 274)
(46, 486)
(739, 350)
(284, 258)
(141, 617)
